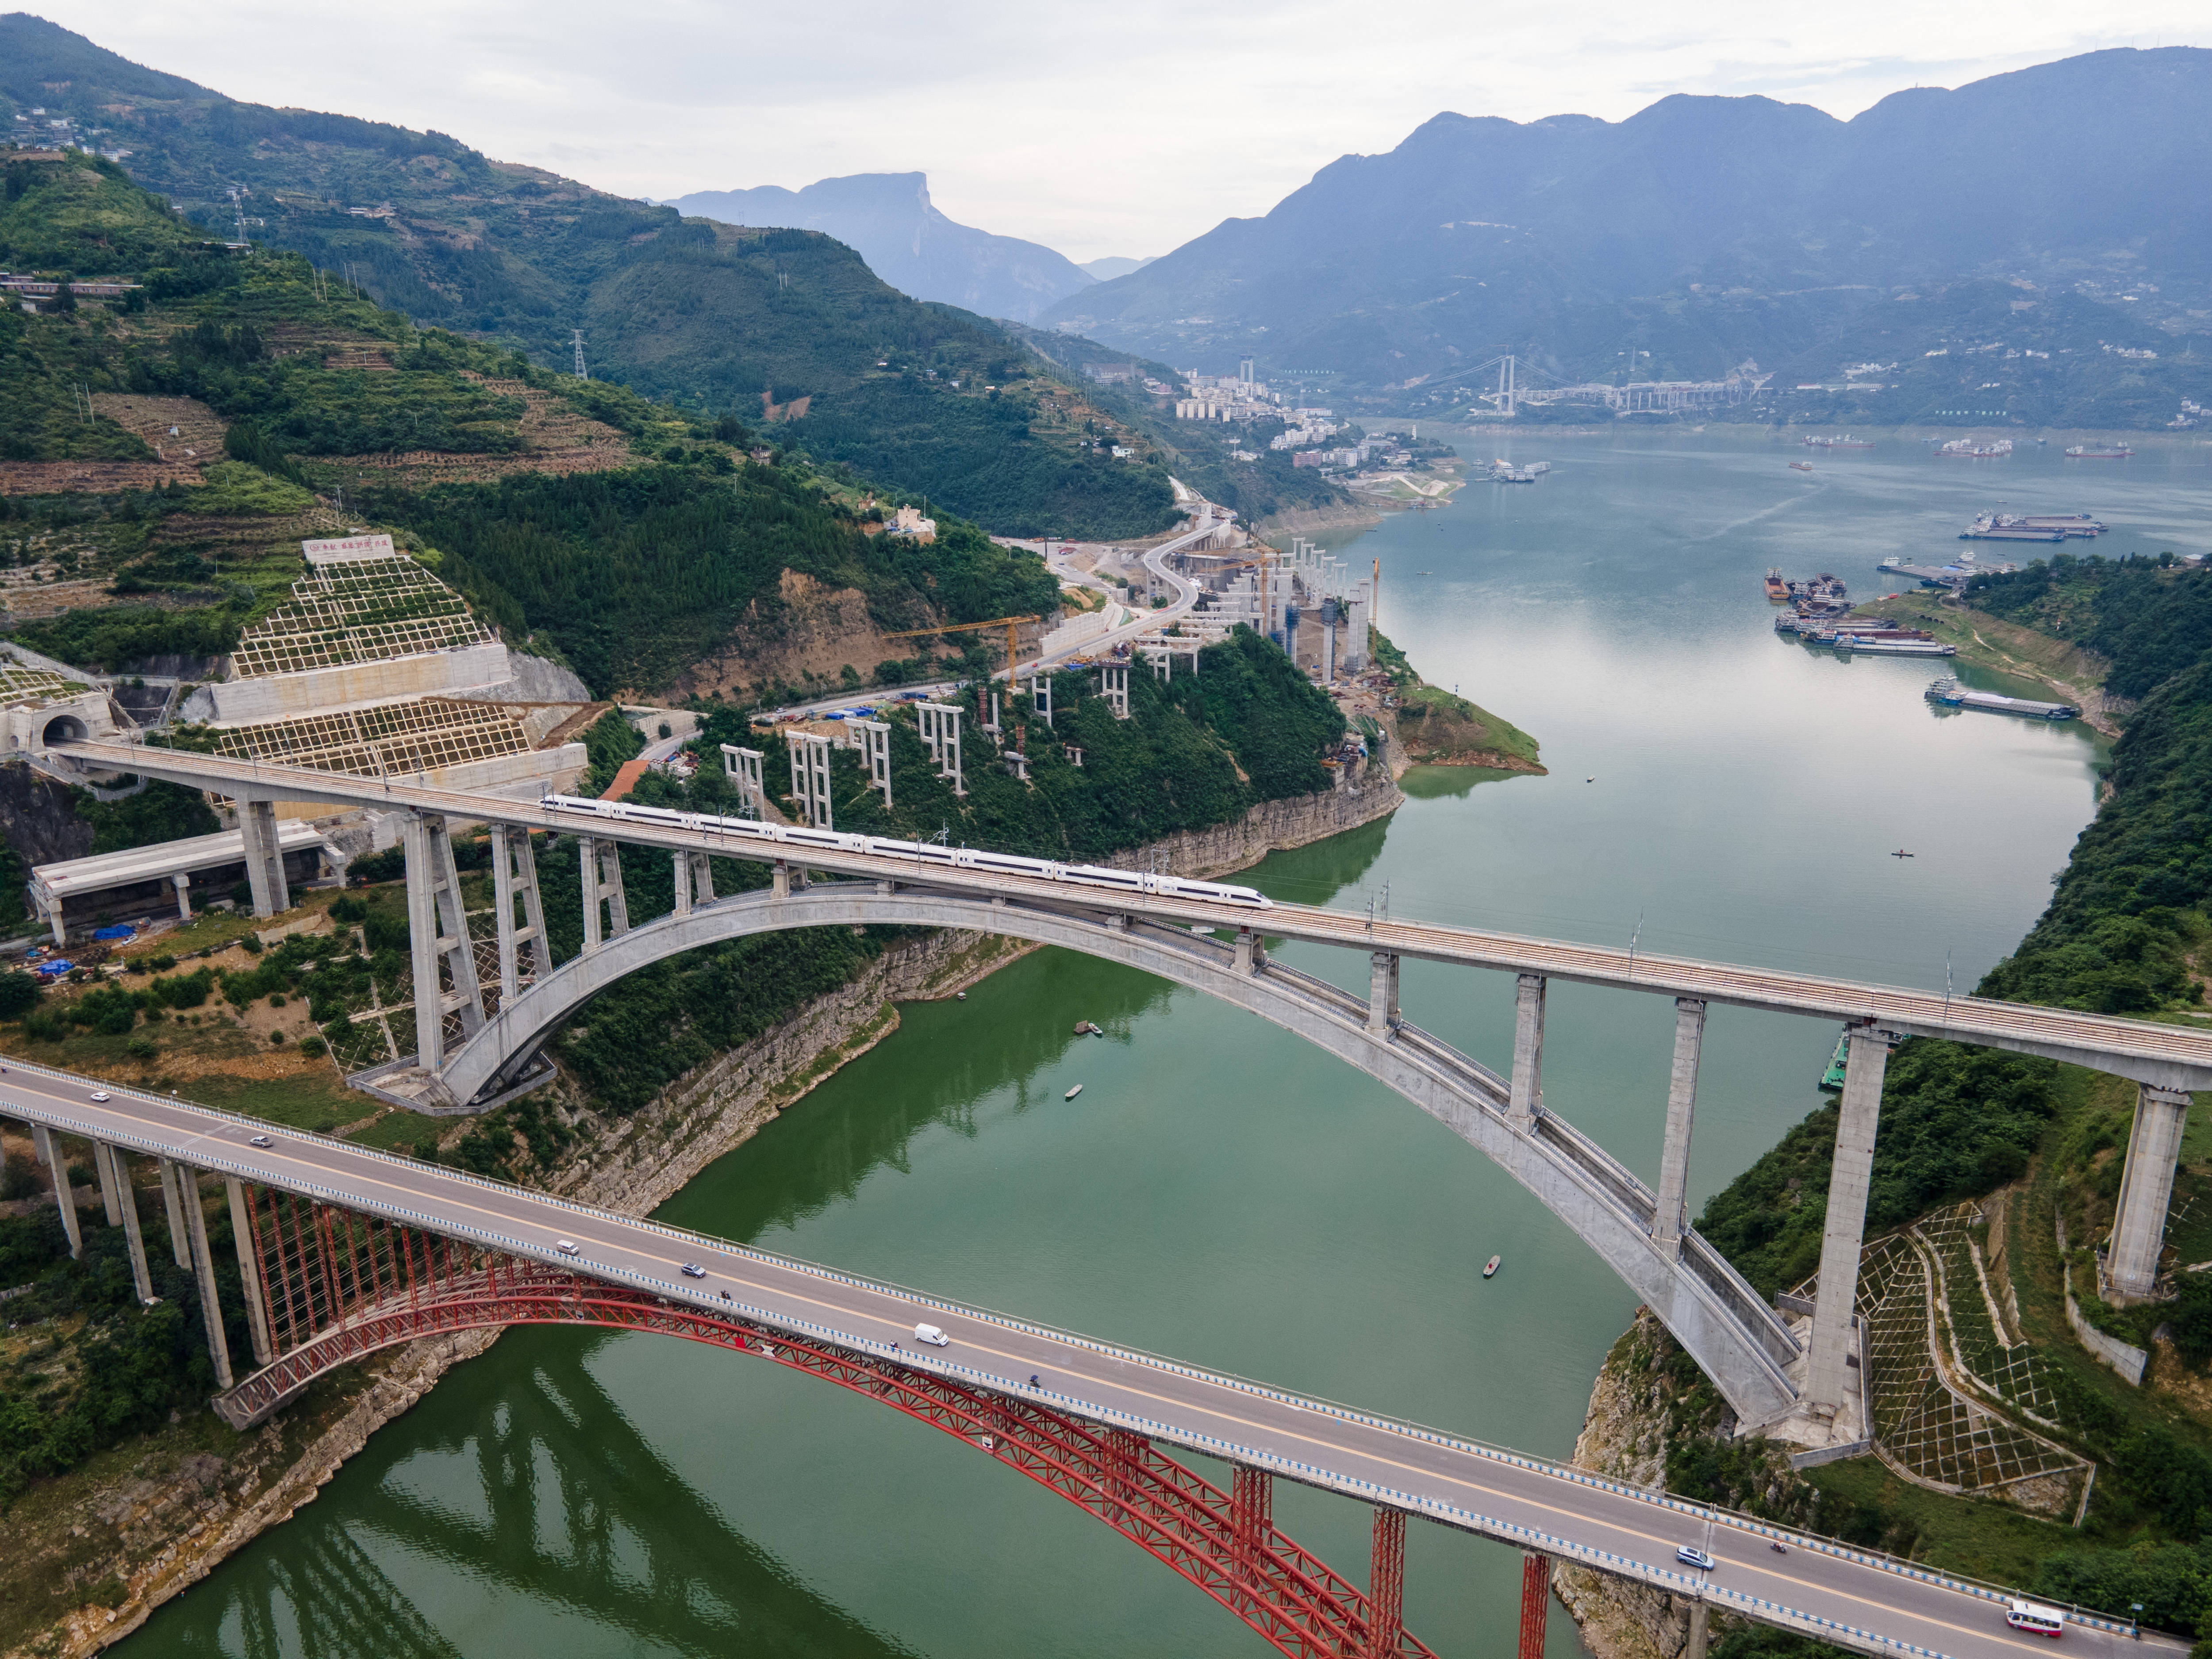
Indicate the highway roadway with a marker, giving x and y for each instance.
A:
(2171, 1056)
(1841, 1596)
(1185, 598)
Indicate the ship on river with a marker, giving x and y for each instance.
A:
(1952, 694)
(1965, 449)
(1845, 442)
(2030, 527)
(2099, 452)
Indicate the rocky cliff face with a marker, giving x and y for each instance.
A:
(1358, 798)
(36, 818)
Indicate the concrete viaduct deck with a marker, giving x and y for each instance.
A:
(628, 1273)
(469, 1055)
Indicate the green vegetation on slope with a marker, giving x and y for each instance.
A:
(721, 319)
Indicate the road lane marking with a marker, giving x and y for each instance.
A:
(370, 1186)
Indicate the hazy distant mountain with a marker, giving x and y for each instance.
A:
(1108, 269)
(888, 219)
(1700, 229)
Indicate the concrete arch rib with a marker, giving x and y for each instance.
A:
(1716, 1316)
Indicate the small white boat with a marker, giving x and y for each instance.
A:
(1071, 1093)
(1489, 1268)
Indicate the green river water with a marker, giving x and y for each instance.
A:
(1222, 1192)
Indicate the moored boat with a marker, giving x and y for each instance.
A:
(1952, 694)
(2099, 452)
(1489, 1268)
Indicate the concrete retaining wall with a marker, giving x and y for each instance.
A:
(280, 697)
(2129, 1361)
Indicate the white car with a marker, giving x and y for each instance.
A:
(931, 1335)
(101, 1094)
(1690, 1556)
(568, 1246)
(261, 1140)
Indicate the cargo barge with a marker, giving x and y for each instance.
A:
(1880, 645)
(1952, 694)
(2030, 527)
(1965, 449)
(1835, 443)
(2099, 452)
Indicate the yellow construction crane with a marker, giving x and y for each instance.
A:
(1009, 624)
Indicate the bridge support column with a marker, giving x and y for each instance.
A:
(141, 1275)
(1693, 1646)
(1251, 1516)
(204, 1271)
(110, 1199)
(1386, 1585)
(49, 1154)
(695, 882)
(249, 1271)
(439, 929)
(265, 862)
(1381, 992)
(1844, 1234)
(1535, 1604)
(1528, 1092)
(779, 880)
(1669, 1220)
(603, 885)
(1251, 956)
(2146, 1189)
(514, 873)
(179, 1241)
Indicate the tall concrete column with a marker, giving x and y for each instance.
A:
(514, 875)
(2146, 1188)
(180, 1241)
(1694, 1646)
(1669, 1220)
(779, 880)
(611, 884)
(702, 879)
(249, 1269)
(110, 1199)
(204, 1271)
(682, 863)
(49, 1154)
(265, 862)
(1381, 992)
(183, 881)
(141, 1274)
(1844, 1233)
(1248, 947)
(422, 943)
(456, 951)
(1527, 1049)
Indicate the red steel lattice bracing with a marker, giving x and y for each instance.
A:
(1535, 1604)
(336, 1287)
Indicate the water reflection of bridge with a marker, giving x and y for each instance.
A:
(551, 1495)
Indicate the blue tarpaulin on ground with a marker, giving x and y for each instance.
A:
(56, 966)
(115, 932)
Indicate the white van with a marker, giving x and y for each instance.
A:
(2035, 1619)
(931, 1335)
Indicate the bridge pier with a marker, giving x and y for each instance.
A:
(110, 1200)
(603, 885)
(49, 1154)
(438, 926)
(1386, 1585)
(1250, 955)
(141, 1276)
(514, 872)
(1836, 1303)
(1669, 1220)
(695, 881)
(265, 862)
(1527, 1091)
(204, 1271)
(180, 1247)
(1383, 991)
(1251, 1515)
(1693, 1645)
(247, 1240)
(2146, 1189)
(1535, 1604)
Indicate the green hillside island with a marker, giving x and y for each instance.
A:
(2036, 1143)
(781, 328)
(623, 537)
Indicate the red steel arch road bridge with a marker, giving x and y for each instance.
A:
(343, 1250)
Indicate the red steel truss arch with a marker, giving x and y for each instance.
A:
(342, 1286)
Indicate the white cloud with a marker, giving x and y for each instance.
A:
(1096, 130)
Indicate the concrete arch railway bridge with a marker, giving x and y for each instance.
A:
(477, 1043)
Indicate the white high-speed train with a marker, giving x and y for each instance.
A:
(958, 858)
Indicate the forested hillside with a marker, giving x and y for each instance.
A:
(719, 320)
(623, 535)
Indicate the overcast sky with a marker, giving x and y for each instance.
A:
(1097, 128)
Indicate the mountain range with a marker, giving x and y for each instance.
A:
(1700, 230)
(888, 219)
